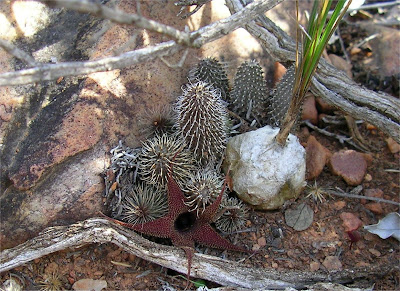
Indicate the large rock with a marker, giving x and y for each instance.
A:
(55, 135)
(265, 174)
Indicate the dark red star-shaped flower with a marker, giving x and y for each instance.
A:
(183, 227)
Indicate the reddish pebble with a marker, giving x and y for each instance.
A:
(339, 205)
(98, 273)
(350, 165)
(332, 263)
(375, 252)
(309, 110)
(350, 221)
(316, 158)
(262, 242)
(374, 207)
(393, 146)
(373, 192)
(314, 266)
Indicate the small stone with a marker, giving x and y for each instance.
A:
(72, 273)
(373, 192)
(350, 165)
(309, 110)
(350, 221)
(355, 50)
(339, 205)
(262, 242)
(393, 146)
(332, 263)
(274, 265)
(375, 252)
(90, 284)
(255, 247)
(368, 178)
(316, 157)
(370, 126)
(314, 266)
(375, 207)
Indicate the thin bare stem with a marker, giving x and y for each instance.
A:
(120, 17)
(199, 37)
(18, 53)
(348, 195)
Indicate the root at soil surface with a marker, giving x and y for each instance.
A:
(98, 230)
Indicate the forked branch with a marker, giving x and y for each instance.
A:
(218, 29)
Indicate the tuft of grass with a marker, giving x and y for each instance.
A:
(314, 40)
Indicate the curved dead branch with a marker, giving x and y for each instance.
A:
(218, 29)
(99, 230)
(333, 85)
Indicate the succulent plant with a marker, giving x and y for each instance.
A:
(202, 121)
(159, 154)
(122, 171)
(157, 120)
(280, 98)
(51, 282)
(202, 189)
(211, 71)
(249, 93)
(142, 203)
(233, 217)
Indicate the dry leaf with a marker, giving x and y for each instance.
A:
(299, 218)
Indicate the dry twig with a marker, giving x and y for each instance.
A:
(341, 193)
(98, 230)
(18, 53)
(334, 86)
(121, 17)
(199, 37)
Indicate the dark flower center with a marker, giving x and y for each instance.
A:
(185, 221)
